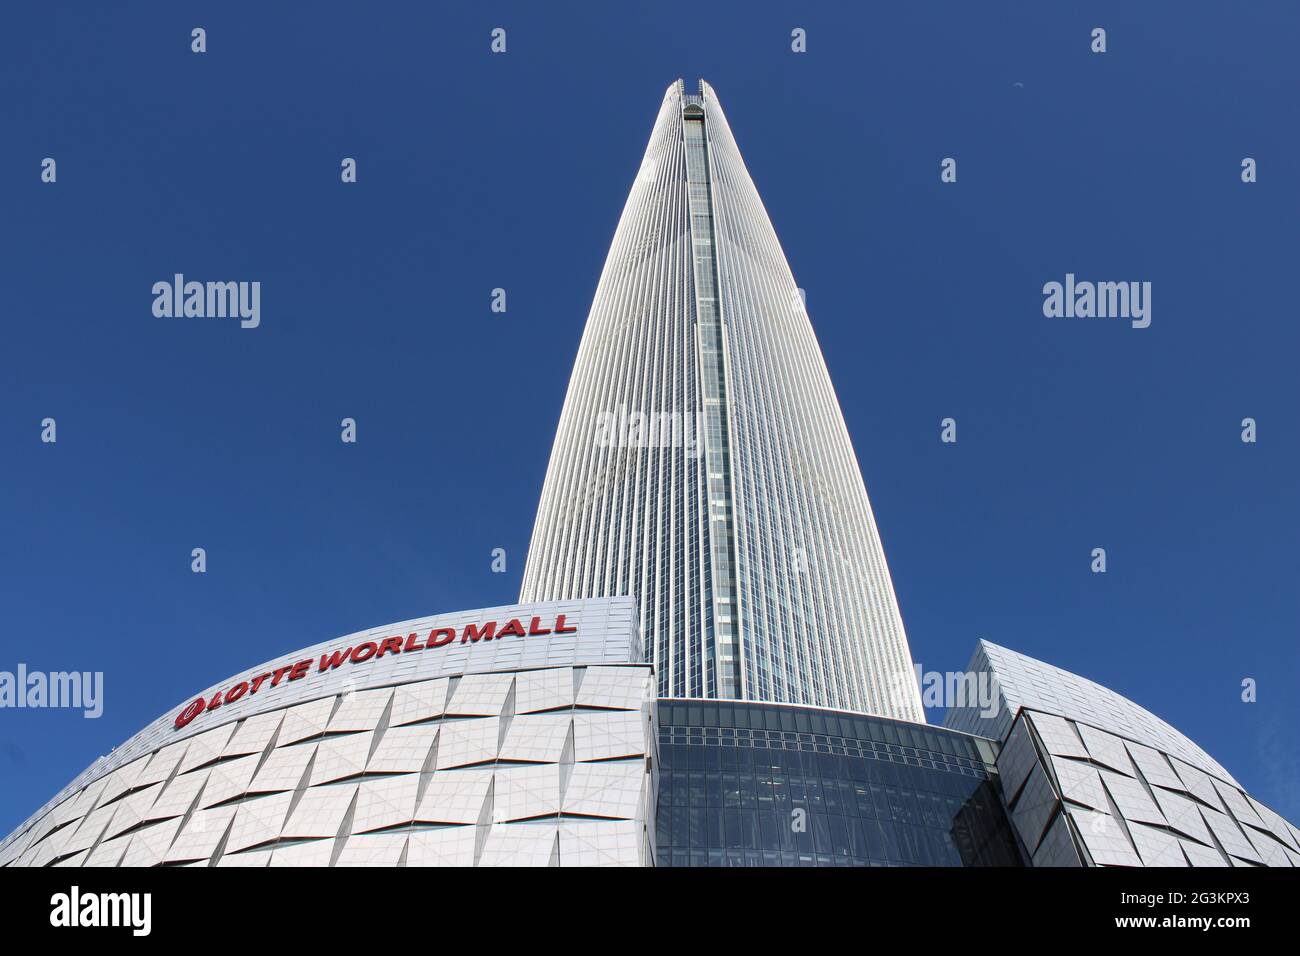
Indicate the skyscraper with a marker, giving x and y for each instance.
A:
(702, 464)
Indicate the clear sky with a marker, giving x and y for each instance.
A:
(478, 171)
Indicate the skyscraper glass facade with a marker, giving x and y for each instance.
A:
(701, 463)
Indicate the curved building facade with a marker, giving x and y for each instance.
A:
(702, 464)
(514, 735)
(1092, 779)
(530, 736)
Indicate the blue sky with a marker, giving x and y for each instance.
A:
(479, 171)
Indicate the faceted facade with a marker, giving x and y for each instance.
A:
(532, 749)
(1092, 779)
(1022, 681)
(702, 464)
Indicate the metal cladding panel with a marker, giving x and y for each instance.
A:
(702, 464)
(1023, 682)
(386, 802)
(1147, 816)
(326, 745)
(378, 849)
(1157, 847)
(403, 749)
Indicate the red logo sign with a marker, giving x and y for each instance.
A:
(370, 650)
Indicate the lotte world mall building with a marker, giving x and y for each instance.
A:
(708, 666)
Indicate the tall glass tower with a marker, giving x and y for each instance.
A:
(702, 464)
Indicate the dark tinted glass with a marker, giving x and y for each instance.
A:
(803, 787)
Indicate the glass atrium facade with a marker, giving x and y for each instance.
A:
(752, 784)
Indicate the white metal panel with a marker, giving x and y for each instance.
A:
(284, 768)
(523, 793)
(341, 757)
(253, 734)
(455, 796)
(465, 742)
(602, 736)
(387, 802)
(376, 849)
(452, 846)
(623, 688)
(537, 737)
(609, 789)
(548, 689)
(521, 844)
(480, 695)
(179, 795)
(421, 700)
(403, 749)
(228, 779)
(200, 835)
(360, 710)
(320, 811)
(258, 820)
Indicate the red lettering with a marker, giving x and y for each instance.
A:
(438, 637)
(331, 661)
(513, 629)
(192, 710)
(473, 633)
(448, 634)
